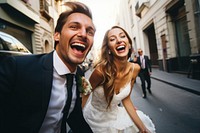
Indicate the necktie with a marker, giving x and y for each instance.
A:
(65, 111)
(142, 63)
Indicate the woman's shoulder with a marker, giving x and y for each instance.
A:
(135, 66)
(98, 72)
(135, 69)
(96, 77)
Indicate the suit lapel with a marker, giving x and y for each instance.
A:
(48, 78)
(46, 86)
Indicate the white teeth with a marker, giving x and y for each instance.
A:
(78, 44)
(120, 47)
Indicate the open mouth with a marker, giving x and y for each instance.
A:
(78, 47)
(120, 48)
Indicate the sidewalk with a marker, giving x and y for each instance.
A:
(178, 80)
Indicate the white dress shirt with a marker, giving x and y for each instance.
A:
(53, 118)
(142, 60)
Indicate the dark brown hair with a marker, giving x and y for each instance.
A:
(75, 7)
(107, 67)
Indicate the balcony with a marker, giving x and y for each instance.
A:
(140, 7)
(20, 9)
(44, 9)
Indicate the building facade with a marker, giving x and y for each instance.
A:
(167, 30)
(32, 22)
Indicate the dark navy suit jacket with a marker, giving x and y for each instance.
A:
(25, 89)
(147, 63)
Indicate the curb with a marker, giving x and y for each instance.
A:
(178, 86)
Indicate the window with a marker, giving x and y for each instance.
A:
(9, 43)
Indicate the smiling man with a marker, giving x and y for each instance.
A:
(34, 94)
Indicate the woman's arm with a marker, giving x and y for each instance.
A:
(95, 80)
(130, 108)
(136, 70)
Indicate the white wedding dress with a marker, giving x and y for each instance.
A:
(114, 119)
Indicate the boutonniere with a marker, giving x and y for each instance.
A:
(84, 85)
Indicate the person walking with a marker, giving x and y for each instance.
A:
(40, 93)
(112, 82)
(133, 57)
(145, 72)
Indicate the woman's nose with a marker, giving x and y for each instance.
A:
(119, 40)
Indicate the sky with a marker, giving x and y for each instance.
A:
(103, 12)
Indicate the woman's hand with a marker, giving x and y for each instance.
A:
(145, 131)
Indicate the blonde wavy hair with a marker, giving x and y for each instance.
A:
(107, 67)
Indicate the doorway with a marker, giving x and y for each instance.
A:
(150, 32)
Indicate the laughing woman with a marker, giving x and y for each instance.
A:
(112, 81)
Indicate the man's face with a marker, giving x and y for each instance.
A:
(75, 39)
(140, 52)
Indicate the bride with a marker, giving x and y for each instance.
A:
(112, 81)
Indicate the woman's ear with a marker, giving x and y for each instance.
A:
(129, 46)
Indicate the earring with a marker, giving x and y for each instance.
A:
(109, 52)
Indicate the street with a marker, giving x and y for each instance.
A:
(57, 35)
(172, 110)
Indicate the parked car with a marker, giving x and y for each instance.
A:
(10, 46)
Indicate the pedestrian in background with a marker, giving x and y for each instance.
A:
(112, 82)
(145, 72)
(133, 57)
(33, 91)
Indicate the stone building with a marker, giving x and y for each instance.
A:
(32, 22)
(167, 30)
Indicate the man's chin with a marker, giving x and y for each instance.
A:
(78, 61)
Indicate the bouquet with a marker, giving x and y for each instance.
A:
(84, 86)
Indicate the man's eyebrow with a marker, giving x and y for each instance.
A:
(93, 28)
(73, 22)
(78, 23)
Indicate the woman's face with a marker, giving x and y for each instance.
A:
(118, 43)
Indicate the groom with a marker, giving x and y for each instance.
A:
(33, 90)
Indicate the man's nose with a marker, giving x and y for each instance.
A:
(82, 32)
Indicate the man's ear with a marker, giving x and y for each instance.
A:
(57, 36)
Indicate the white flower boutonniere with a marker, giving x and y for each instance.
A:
(84, 86)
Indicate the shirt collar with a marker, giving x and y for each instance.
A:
(59, 66)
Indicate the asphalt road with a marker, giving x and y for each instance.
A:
(171, 109)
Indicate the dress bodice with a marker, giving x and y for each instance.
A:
(99, 101)
(113, 119)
